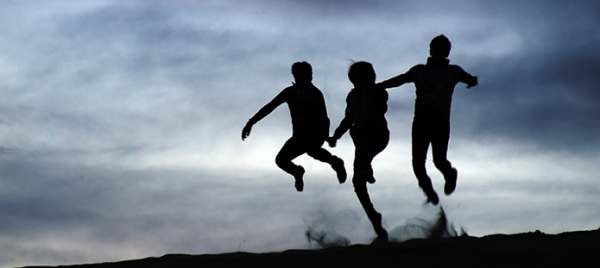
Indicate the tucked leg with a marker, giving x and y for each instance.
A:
(292, 148)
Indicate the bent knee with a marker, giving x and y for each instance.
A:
(360, 184)
(442, 164)
(279, 160)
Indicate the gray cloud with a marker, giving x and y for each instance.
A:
(547, 97)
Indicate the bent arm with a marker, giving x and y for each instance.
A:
(468, 79)
(344, 125)
(262, 113)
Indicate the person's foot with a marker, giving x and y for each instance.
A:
(381, 238)
(340, 170)
(432, 196)
(299, 181)
(450, 177)
(382, 235)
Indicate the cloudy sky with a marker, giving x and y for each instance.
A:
(120, 122)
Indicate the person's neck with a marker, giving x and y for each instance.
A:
(437, 61)
(302, 86)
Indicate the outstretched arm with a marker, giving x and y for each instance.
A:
(262, 113)
(471, 82)
(395, 81)
(466, 78)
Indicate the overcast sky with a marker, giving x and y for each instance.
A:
(120, 122)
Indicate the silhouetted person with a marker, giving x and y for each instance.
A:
(366, 106)
(310, 125)
(435, 82)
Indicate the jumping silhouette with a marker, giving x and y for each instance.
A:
(366, 106)
(435, 82)
(309, 122)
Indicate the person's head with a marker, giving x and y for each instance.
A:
(361, 73)
(440, 47)
(302, 72)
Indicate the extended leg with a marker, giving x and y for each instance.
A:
(317, 152)
(366, 149)
(360, 188)
(420, 145)
(439, 146)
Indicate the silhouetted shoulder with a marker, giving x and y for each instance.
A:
(460, 74)
(350, 94)
(288, 90)
(416, 68)
(456, 68)
(316, 89)
(413, 72)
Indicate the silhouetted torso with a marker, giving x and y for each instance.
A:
(435, 84)
(368, 107)
(365, 112)
(307, 109)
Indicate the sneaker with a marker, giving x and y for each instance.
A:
(432, 196)
(382, 235)
(381, 238)
(450, 178)
(340, 170)
(298, 177)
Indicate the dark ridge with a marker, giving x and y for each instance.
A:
(532, 249)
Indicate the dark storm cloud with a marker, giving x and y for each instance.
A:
(548, 94)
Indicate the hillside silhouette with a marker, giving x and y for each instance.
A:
(531, 249)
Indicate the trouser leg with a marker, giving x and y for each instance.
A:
(421, 138)
(360, 188)
(420, 146)
(367, 147)
(315, 151)
(439, 146)
(292, 148)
